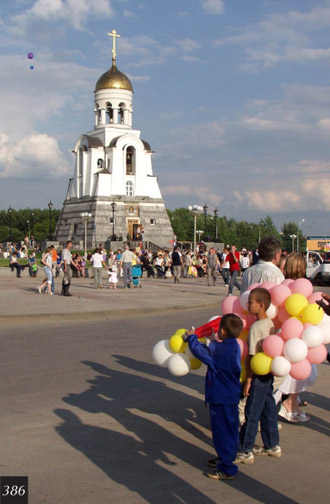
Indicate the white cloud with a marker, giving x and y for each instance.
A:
(34, 156)
(282, 38)
(74, 12)
(187, 45)
(198, 191)
(268, 201)
(213, 6)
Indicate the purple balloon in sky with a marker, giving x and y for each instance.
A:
(30, 55)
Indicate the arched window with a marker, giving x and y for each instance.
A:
(130, 161)
(129, 188)
(100, 163)
(121, 117)
(109, 113)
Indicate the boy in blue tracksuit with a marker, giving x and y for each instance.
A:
(222, 392)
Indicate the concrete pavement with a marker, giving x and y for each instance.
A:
(20, 300)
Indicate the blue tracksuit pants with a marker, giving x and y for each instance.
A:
(224, 425)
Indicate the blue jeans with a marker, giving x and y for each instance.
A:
(225, 275)
(260, 406)
(224, 425)
(233, 282)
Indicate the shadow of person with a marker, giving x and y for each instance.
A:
(128, 461)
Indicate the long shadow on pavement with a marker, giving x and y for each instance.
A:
(154, 421)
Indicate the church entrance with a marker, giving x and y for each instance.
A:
(133, 226)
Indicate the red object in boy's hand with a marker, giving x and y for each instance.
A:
(206, 330)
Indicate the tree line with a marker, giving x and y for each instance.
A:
(16, 224)
(230, 231)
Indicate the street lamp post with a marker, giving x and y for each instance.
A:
(10, 212)
(298, 229)
(50, 206)
(113, 206)
(199, 232)
(85, 217)
(196, 210)
(293, 237)
(216, 223)
(29, 230)
(205, 208)
(32, 222)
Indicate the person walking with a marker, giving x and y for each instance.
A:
(126, 263)
(97, 263)
(46, 261)
(233, 258)
(212, 266)
(67, 258)
(177, 264)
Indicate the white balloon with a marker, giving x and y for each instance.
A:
(312, 336)
(325, 328)
(280, 366)
(161, 352)
(272, 311)
(179, 364)
(244, 299)
(295, 350)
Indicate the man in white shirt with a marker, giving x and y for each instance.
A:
(126, 261)
(67, 257)
(267, 268)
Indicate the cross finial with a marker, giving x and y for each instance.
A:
(113, 34)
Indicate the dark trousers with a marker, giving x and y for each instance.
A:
(66, 282)
(18, 268)
(224, 425)
(260, 406)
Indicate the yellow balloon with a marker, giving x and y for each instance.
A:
(295, 303)
(195, 363)
(180, 332)
(312, 314)
(177, 344)
(261, 363)
(242, 378)
(244, 335)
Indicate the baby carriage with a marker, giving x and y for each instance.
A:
(136, 275)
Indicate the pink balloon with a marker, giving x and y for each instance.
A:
(227, 305)
(283, 315)
(273, 345)
(302, 286)
(292, 328)
(243, 347)
(237, 306)
(279, 293)
(247, 320)
(254, 286)
(307, 324)
(316, 296)
(287, 281)
(300, 370)
(268, 285)
(317, 355)
(277, 323)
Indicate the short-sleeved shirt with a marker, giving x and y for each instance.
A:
(234, 266)
(261, 272)
(97, 260)
(257, 333)
(128, 256)
(66, 256)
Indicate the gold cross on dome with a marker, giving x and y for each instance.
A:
(113, 34)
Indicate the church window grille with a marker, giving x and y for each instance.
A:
(121, 116)
(129, 188)
(100, 163)
(109, 112)
(130, 161)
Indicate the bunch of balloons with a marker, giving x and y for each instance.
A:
(30, 57)
(304, 328)
(175, 354)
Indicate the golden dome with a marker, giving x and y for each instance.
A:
(113, 79)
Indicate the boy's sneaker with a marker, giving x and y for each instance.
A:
(219, 475)
(244, 458)
(213, 462)
(272, 452)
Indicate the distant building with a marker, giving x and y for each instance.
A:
(113, 178)
(318, 243)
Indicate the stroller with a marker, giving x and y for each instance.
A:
(136, 275)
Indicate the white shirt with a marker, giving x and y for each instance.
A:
(261, 272)
(97, 260)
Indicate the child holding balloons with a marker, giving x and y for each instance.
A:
(222, 391)
(258, 388)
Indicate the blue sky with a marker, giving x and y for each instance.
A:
(233, 96)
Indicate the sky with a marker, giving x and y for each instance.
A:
(232, 95)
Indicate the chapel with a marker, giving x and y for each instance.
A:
(113, 181)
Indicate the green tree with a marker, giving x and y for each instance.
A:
(289, 229)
